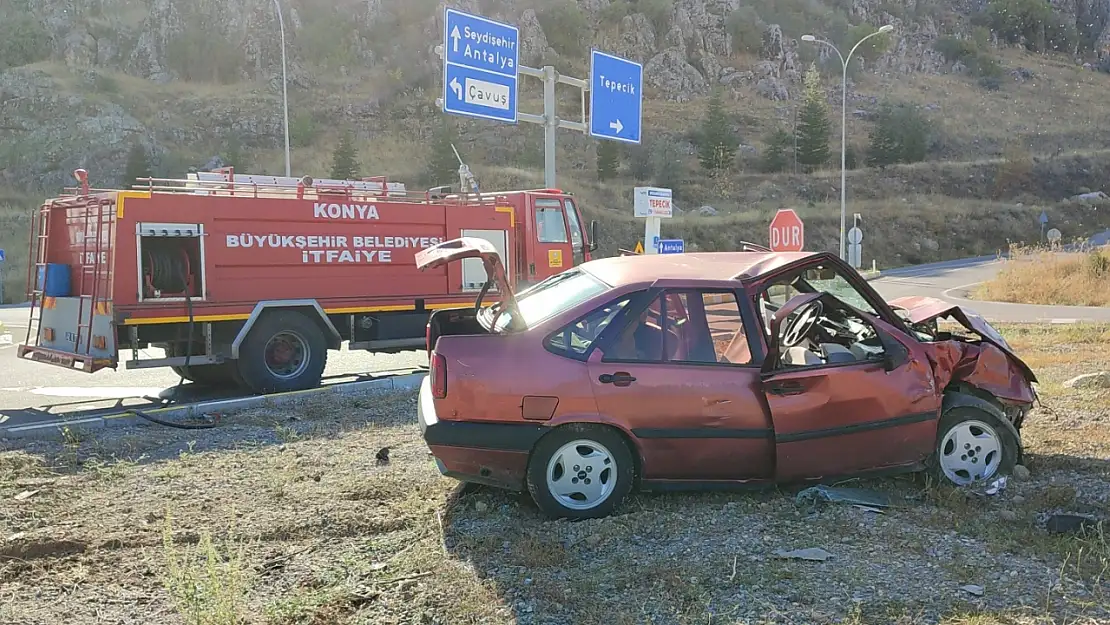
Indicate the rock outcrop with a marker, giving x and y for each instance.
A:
(686, 53)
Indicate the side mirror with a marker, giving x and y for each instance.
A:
(593, 235)
(894, 353)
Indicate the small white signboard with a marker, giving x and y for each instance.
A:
(652, 202)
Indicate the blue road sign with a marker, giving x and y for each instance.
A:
(672, 246)
(475, 93)
(2, 257)
(480, 63)
(616, 97)
(1044, 218)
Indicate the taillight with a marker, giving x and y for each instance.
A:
(428, 337)
(438, 373)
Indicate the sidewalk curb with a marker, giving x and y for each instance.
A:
(53, 427)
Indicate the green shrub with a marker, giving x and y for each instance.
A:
(746, 30)
(200, 51)
(1033, 21)
(955, 49)
(23, 40)
(659, 13)
(565, 26)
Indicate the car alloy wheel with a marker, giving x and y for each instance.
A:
(969, 452)
(580, 471)
(581, 475)
(973, 446)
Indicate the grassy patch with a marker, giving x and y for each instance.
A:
(1035, 275)
(285, 517)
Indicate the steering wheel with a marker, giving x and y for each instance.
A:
(801, 321)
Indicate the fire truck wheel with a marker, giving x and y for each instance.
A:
(284, 351)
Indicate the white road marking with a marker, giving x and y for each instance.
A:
(97, 392)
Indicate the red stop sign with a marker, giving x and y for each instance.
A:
(787, 231)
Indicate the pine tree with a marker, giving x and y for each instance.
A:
(442, 166)
(813, 122)
(138, 166)
(235, 156)
(718, 143)
(882, 148)
(608, 159)
(344, 165)
(639, 162)
(777, 155)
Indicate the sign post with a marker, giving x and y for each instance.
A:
(1043, 219)
(855, 247)
(481, 69)
(2, 258)
(653, 204)
(787, 232)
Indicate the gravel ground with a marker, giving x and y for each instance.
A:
(286, 516)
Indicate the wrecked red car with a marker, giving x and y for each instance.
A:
(709, 370)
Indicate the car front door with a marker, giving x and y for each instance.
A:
(832, 418)
(679, 374)
(552, 244)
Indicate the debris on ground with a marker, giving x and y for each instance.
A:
(973, 589)
(867, 499)
(813, 554)
(1064, 523)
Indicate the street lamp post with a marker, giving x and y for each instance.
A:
(843, 123)
(284, 85)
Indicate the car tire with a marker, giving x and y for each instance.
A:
(294, 335)
(606, 470)
(972, 446)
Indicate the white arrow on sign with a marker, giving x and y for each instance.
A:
(617, 125)
(456, 87)
(456, 36)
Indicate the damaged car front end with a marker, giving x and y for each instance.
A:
(980, 363)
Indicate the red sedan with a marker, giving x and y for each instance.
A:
(710, 370)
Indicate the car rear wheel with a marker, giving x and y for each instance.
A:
(973, 446)
(580, 471)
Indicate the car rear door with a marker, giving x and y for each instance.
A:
(845, 418)
(661, 376)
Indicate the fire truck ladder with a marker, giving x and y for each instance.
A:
(93, 281)
(36, 268)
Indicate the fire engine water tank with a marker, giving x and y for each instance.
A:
(55, 276)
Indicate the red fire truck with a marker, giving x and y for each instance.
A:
(250, 280)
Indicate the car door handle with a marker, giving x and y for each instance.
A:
(785, 388)
(620, 378)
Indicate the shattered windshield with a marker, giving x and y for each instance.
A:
(829, 281)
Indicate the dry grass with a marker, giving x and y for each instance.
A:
(1035, 275)
(284, 517)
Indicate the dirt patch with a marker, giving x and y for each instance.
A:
(284, 516)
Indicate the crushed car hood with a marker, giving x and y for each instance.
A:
(990, 355)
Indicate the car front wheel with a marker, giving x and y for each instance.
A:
(973, 446)
(580, 471)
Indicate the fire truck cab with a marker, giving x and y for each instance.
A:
(250, 280)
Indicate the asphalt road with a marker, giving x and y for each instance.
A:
(953, 280)
(25, 384)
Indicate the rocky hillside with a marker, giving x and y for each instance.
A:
(83, 79)
(1020, 84)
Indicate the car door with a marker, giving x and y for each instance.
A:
(577, 243)
(664, 377)
(553, 251)
(844, 418)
